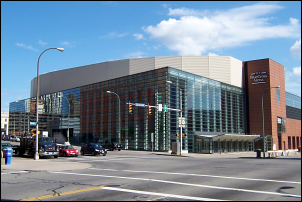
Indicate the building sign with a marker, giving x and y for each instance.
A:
(258, 77)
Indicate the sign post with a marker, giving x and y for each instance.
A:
(152, 135)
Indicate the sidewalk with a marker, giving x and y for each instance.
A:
(47, 165)
(41, 165)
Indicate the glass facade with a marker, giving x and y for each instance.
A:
(293, 106)
(293, 100)
(208, 105)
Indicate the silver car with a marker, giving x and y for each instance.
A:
(15, 139)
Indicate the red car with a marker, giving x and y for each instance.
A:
(68, 150)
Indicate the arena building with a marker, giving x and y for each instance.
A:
(137, 102)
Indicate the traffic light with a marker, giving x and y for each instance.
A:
(130, 109)
(33, 132)
(177, 135)
(183, 135)
(149, 110)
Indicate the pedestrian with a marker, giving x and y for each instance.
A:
(31, 144)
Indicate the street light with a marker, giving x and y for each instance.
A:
(263, 121)
(68, 116)
(180, 97)
(119, 116)
(37, 97)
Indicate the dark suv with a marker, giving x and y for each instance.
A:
(93, 149)
(113, 146)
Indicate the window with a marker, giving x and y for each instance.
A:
(278, 95)
(281, 124)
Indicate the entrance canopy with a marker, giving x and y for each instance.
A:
(215, 136)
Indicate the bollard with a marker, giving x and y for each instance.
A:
(258, 153)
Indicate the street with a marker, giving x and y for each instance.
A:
(140, 176)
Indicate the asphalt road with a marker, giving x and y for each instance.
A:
(144, 176)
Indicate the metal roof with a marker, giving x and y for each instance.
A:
(225, 136)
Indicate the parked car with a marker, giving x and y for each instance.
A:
(15, 139)
(93, 149)
(5, 145)
(68, 150)
(113, 146)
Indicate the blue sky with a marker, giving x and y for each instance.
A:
(99, 31)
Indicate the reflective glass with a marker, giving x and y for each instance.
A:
(92, 115)
(293, 100)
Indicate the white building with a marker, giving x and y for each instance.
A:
(4, 123)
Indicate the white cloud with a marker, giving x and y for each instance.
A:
(197, 32)
(185, 12)
(137, 54)
(295, 50)
(157, 47)
(112, 35)
(297, 73)
(138, 36)
(293, 81)
(26, 47)
(42, 43)
(165, 5)
(212, 54)
(294, 21)
(68, 44)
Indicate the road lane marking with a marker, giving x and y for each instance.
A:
(96, 159)
(61, 194)
(182, 183)
(122, 190)
(200, 175)
(161, 194)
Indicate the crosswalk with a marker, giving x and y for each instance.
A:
(87, 158)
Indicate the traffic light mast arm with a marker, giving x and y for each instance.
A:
(133, 104)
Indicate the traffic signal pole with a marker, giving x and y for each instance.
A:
(180, 96)
(160, 109)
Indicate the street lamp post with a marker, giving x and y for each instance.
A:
(263, 120)
(119, 116)
(180, 97)
(37, 97)
(68, 117)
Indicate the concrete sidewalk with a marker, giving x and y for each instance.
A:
(41, 165)
(26, 163)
